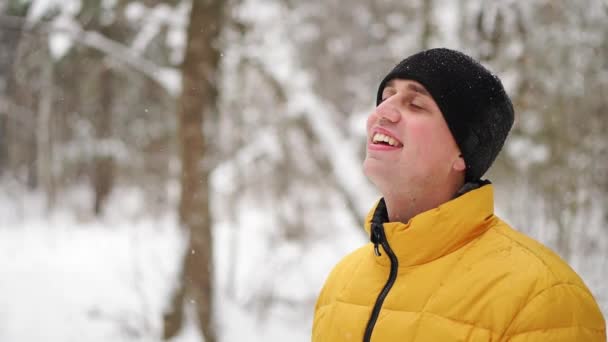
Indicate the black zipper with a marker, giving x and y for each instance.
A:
(378, 237)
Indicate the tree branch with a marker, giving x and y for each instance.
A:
(168, 78)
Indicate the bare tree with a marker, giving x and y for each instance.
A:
(9, 40)
(104, 82)
(44, 132)
(195, 107)
(427, 24)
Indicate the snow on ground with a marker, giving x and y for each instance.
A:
(63, 279)
(66, 276)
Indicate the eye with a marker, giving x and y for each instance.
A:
(387, 93)
(416, 105)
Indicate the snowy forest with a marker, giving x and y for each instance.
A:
(189, 170)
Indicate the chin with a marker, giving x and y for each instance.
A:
(377, 174)
(368, 168)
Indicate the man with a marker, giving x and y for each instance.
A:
(441, 266)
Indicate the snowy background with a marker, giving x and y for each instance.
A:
(87, 255)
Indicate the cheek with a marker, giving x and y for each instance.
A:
(370, 121)
(420, 135)
(433, 142)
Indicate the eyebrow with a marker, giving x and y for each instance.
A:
(412, 86)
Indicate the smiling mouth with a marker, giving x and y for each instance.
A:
(383, 139)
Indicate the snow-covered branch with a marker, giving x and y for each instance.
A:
(347, 168)
(167, 77)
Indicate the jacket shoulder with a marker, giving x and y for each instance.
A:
(549, 286)
(529, 254)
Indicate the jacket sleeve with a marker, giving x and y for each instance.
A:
(319, 313)
(562, 313)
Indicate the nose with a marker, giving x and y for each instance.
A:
(387, 111)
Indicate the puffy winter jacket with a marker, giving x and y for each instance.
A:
(454, 273)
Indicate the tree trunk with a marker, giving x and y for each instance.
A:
(44, 134)
(427, 24)
(3, 144)
(107, 79)
(194, 109)
(103, 168)
(9, 40)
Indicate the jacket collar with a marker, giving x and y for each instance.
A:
(439, 231)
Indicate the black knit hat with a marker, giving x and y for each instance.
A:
(472, 100)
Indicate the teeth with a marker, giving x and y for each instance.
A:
(379, 137)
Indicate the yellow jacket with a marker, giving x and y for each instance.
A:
(459, 273)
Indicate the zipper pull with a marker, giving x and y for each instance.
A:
(376, 249)
(376, 237)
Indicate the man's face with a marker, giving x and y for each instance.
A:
(409, 145)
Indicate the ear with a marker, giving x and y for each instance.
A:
(459, 164)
